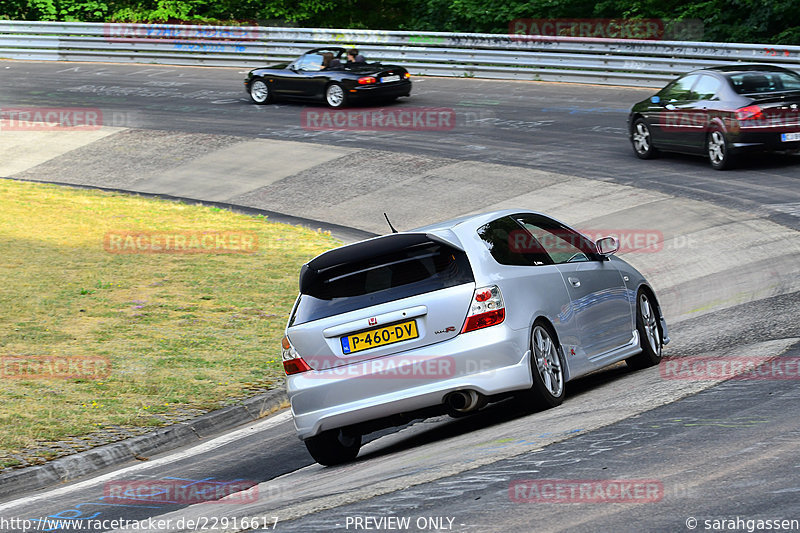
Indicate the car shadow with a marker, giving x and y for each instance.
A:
(300, 104)
(494, 414)
(744, 162)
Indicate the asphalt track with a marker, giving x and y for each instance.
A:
(572, 129)
(718, 450)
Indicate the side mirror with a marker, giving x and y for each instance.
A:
(607, 245)
(655, 99)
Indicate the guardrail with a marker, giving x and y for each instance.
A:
(569, 59)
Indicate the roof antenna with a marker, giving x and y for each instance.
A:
(390, 224)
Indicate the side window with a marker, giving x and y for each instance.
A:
(510, 244)
(789, 81)
(680, 89)
(561, 243)
(706, 88)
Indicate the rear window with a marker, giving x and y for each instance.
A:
(401, 273)
(764, 82)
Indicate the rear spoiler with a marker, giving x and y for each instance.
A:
(789, 97)
(371, 248)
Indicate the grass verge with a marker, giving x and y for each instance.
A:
(181, 332)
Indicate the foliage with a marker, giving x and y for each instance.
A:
(759, 21)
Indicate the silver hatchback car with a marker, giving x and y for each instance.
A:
(452, 316)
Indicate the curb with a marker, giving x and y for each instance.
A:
(164, 439)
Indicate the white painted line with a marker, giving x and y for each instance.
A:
(204, 447)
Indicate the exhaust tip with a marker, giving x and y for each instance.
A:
(461, 402)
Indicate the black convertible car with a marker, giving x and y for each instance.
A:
(324, 74)
(722, 112)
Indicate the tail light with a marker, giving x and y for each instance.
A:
(292, 362)
(487, 309)
(406, 75)
(367, 80)
(751, 112)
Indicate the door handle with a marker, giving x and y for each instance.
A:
(575, 282)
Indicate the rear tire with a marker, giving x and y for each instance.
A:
(718, 150)
(650, 337)
(333, 447)
(547, 367)
(335, 96)
(642, 140)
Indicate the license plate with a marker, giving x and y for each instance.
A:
(788, 137)
(380, 337)
(387, 79)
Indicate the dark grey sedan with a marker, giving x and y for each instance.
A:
(722, 112)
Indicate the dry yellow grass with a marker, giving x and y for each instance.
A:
(179, 330)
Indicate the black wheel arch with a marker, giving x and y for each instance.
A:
(632, 122)
(651, 295)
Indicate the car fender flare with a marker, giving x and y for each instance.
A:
(644, 287)
(634, 118)
(717, 122)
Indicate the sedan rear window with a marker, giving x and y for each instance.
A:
(390, 275)
(764, 82)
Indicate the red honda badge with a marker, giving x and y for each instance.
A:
(373, 321)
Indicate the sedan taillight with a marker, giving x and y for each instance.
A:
(487, 309)
(751, 112)
(292, 362)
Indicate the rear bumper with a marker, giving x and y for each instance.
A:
(365, 92)
(757, 140)
(490, 361)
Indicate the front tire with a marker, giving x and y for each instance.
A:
(642, 140)
(260, 92)
(335, 96)
(718, 150)
(547, 368)
(333, 447)
(647, 324)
